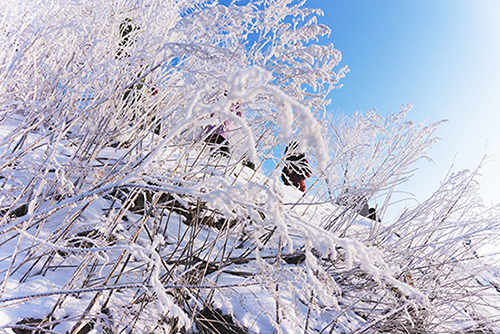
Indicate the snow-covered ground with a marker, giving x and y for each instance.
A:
(227, 240)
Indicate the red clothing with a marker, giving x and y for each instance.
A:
(297, 180)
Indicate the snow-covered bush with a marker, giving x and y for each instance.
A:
(119, 215)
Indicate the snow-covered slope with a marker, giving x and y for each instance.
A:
(222, 248)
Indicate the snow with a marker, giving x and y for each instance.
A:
(117, 215)
(248, 291)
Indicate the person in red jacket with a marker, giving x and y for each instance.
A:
(296, 168)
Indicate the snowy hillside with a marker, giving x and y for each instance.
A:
(120, 214)
(228, 245)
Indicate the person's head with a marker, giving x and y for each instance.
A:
(128, 35)
(292, 147)
(128, 31)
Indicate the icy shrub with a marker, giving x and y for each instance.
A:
(128, 205)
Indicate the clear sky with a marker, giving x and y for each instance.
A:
(441, 55)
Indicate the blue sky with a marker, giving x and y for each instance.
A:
(441, 55)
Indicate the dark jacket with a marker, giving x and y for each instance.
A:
(296, 169)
